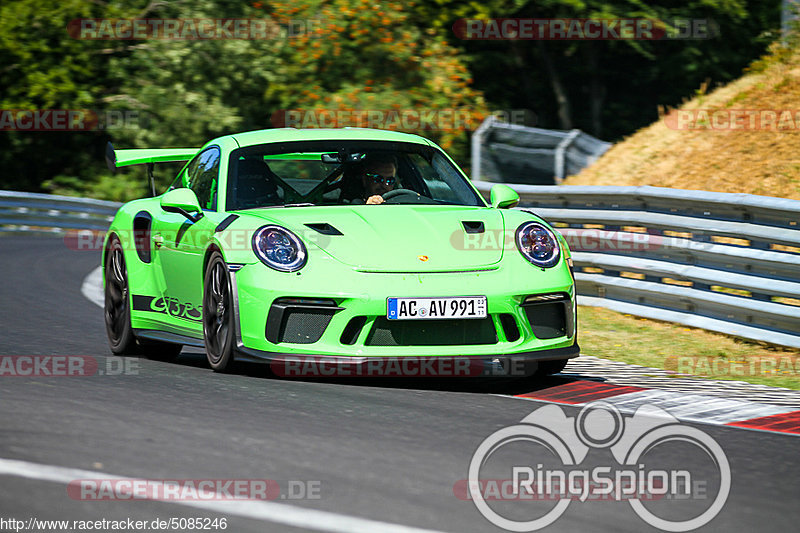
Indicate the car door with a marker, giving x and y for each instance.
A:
(181, 242)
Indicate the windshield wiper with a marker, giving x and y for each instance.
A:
(306, 204)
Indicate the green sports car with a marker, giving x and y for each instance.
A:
(341, 246)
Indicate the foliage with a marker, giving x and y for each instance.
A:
(358, 55)
(41, 67)
(611, 88)
(379, 61)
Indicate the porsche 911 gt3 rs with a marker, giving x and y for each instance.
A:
(342, 245)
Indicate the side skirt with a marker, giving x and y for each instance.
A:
(165, 336)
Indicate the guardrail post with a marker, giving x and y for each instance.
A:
(559, 155)
(477, 142)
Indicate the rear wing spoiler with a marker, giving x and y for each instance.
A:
(123, 158)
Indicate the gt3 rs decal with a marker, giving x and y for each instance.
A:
(167, 305)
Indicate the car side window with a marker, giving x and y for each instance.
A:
(202, 175)
(189, 171)
(181, 181)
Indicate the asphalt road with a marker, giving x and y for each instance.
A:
(385, 451)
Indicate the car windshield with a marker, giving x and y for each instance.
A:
(318, 173)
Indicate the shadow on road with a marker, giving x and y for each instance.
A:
(480, 385)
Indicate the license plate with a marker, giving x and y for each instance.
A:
(434, 308)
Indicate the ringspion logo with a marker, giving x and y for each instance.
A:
(540, 460)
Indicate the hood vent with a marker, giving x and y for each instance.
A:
(324, 228)
(472, 226)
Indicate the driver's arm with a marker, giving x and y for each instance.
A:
(375, 199)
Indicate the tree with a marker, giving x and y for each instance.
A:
(42, 67)
(609, 88)
(326, 56)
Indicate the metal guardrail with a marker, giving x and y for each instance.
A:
(718, 261)
(503, 152)
(723, 262)
(49, 213)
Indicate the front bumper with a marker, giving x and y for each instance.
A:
(517, 365)
(355, 294)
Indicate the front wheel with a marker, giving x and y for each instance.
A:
(218, 325)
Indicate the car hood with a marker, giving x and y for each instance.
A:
(398, 238)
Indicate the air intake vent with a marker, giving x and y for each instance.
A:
(542, 298)
(550, 315)
(299, 320)
(305, 327)
(448, 332)
(510, 328)
(352, 330)
(141, 235)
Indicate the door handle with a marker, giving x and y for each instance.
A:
(158, 240)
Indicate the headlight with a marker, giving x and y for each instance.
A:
(538, 244)
(279, 248)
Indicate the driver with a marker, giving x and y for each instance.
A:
(378, 176)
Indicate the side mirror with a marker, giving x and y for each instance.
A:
(503, 197)
(183, 201)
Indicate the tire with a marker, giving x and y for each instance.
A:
(218, 317)
(116, 307)
(548, 368)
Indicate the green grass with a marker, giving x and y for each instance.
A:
(612, 335)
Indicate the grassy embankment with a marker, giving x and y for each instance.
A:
(762, 161)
